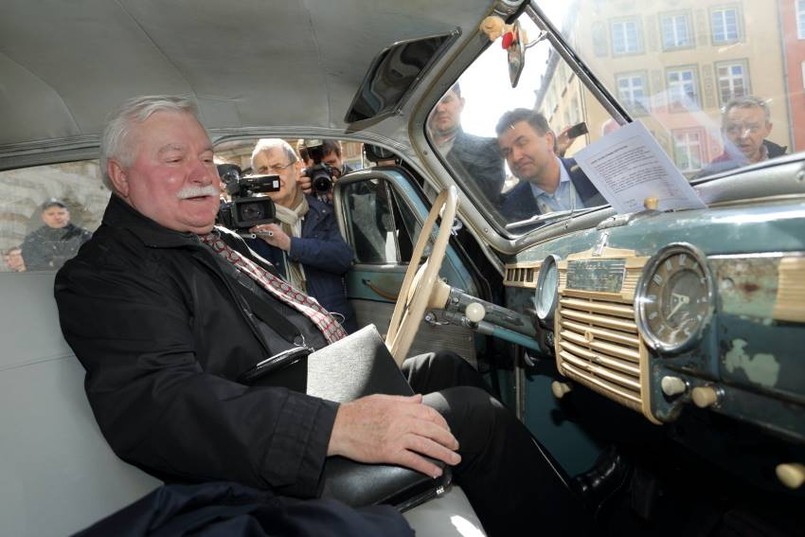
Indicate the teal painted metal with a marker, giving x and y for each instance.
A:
(514, 337)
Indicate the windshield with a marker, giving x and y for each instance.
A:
(718, 85)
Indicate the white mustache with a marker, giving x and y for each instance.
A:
(197, 192)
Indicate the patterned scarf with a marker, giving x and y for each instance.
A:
(327, 324)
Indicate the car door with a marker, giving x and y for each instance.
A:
(381, 211)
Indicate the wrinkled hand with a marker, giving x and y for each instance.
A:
(273, 235)
(393, 429)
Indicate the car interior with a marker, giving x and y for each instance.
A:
(649, 339)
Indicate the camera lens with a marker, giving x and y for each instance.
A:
(322, 182)
(252, 211)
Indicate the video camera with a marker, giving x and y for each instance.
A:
(245, 210)
(321, 174)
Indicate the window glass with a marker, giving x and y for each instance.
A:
(724, 24)
(371, 226)
(733, 80)
(683, 88)
(626, 38)
(718, 84)
(801, 19)
(675, 30)
(48, 212)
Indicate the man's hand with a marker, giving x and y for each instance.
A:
(305, 183)
(563, 141)
(393, 429)
(273, 235)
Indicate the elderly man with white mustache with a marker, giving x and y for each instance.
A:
(167, 312)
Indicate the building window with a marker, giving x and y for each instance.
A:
(688, 154)
(724, 25)
(675, 31)
(626, 37)
(683, 89)
(733, 80)
(803, 74)
(801, 19)
(632, 92)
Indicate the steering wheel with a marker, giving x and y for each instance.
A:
(421, 287)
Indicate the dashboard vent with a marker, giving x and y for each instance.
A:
(522, 275)
(597, 341)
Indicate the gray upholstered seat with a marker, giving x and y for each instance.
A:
(57, 473)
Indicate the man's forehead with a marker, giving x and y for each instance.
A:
(754, 112)
(517, 130)
(270, 153)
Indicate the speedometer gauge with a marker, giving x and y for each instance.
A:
(674, 298)
(547, 289)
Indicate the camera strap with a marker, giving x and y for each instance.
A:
(266, 313)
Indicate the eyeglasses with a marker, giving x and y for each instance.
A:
(275, 169)
(737, 129)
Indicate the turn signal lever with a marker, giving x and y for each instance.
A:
(490, 319)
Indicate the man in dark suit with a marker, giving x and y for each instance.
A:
(474, 158)
(547, 183)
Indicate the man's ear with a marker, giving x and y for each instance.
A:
(118, 177)
(551, 139)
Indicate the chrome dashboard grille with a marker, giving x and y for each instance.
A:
(597, 341)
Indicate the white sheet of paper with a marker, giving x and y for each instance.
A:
(628, 166)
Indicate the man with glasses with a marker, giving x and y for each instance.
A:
(305, 245)
(745, 125)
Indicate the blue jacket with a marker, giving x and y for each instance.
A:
(520, 204)
(325, 256)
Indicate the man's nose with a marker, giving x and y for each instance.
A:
(203, 173)
(515, 154)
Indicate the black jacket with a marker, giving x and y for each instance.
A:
(479, 162)
(48, 248)
(157, 323)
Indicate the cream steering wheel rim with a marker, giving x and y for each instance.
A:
(413, 300)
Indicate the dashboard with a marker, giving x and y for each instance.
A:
(665, 312)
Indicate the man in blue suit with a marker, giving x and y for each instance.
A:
(547, 183)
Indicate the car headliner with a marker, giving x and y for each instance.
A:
(249, 64)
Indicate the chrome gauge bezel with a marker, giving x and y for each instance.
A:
(546, 314)
(663, 343)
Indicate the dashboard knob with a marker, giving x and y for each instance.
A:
(792, 475)
(704, 396)
(560, 389)
(672, 386)
(475, 312)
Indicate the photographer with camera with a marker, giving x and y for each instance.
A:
(305, 245)
(323, 167)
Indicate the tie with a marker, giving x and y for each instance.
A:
(301, 302)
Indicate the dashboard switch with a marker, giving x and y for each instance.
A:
(475, 312)
(704, 396)
(672, 386)
(560, 389)
(792, 475)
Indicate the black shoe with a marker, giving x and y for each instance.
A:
(603, 481)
